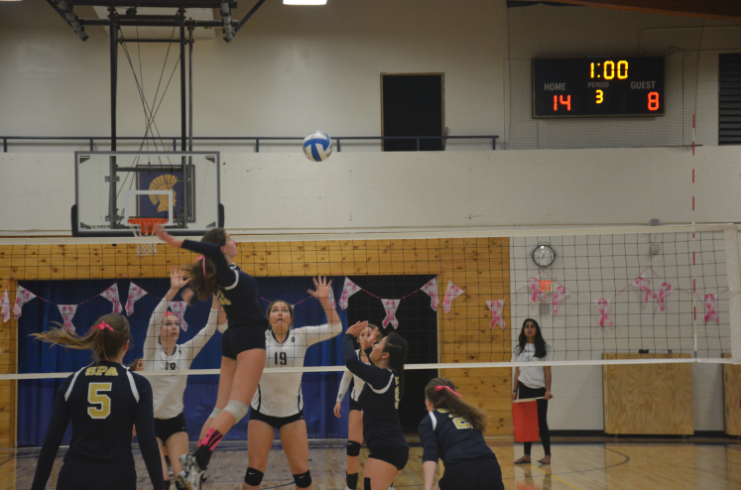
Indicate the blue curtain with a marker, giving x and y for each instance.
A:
(36, 397)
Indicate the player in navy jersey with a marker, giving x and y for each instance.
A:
(104, 401)
(379, 400)
(242, 344)
(366, 339)
(454, 432)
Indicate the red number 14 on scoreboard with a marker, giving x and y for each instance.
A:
(559, 99)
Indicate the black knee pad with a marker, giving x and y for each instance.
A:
(253, 477)
(353, 448)
(303, 480)
(366, 483)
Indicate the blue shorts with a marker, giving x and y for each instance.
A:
(236, 340)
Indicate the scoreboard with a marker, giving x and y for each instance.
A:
(598, 87)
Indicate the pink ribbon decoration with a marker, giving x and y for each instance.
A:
(390, 305)
(451, 293)
(710, 313)
(22, 296)
(68, 312)
(538, 293)
(431, 289)
(558, 295)
(603, 305)
(642, 284)
(111, 294)
(6, 306)
(135, 294)
(666, 290)
(496, 308)
(178, 309)
(348, 289)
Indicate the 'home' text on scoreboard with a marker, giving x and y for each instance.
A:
(598, 87)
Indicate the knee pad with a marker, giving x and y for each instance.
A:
(253, 477)
(353, 448)
(303, 480)
(237, 409)
(215, 413)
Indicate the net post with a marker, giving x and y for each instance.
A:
(733, 270)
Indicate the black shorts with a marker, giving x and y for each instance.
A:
(355, 405)
(79, 474)
(275, 422)
(475, 474)
(396, 455)
(236, 340)
(164, 428)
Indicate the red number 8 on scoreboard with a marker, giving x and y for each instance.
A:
(653, 101)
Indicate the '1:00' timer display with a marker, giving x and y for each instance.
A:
(598, 87)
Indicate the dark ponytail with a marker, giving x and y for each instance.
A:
(205, 284)
(105, 339)
(443, 398)
(397, 348)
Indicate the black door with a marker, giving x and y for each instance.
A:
(412, 105)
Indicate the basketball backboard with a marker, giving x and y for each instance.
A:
(112, 187)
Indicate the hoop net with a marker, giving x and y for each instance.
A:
(144, 227)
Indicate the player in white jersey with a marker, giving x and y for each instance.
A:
(366, 339)
(278, 402)
(163, 353)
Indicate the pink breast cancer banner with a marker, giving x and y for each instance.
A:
(451, 293)
(178, 307)
(559, 294)
(348, 289)
(537, 292)
(642, 284)
(603, 306)
(6, 306)
(135, 294)
(68, 312)
(496, 308)
(431, 289)
(664, 292)
(111, 294)
(390, 305)
(710, 305)
(22, 296)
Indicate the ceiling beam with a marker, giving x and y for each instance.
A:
(707, 9)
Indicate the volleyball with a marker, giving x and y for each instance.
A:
(317, 146)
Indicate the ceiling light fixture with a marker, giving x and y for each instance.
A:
(304, 2)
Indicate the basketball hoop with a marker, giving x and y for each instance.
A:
(144, 227)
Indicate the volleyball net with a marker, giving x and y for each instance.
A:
(600, 295)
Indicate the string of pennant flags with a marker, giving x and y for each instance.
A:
(534, 287)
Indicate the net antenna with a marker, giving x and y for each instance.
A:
(144, 226)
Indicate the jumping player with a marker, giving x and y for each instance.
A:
(104, 401)
(366, 339)
(242, 345)
(379, 400)
(278, 403)
(163, 353)
(454, 432)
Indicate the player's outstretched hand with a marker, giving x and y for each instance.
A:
(357, 328)
(159, 230)
(322, 288)
(177, 279)
(337, 407)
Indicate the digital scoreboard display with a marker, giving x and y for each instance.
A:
(598, 87)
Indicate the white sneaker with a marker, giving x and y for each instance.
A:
(194, 472)
(392, 487)
(182, 480)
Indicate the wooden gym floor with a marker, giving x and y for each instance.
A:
(576, 466)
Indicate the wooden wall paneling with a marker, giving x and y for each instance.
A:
(478, 265)
(8, 365)
(731, 394)
(648, 398)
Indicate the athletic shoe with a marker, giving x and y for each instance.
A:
(392, 487)
(195, 473)
(182, 481)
